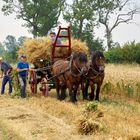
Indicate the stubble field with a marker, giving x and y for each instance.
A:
(115, 117)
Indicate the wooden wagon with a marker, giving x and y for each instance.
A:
(44, 75)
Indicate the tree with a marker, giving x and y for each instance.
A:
(40, 15)
(11, 47)
(80, 16)
(21, 40)
(2, 50)
(10, 43)
(116, 8)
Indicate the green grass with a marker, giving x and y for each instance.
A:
(118, 103)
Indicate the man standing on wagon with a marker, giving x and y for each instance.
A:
(53, 37)
(22, 69)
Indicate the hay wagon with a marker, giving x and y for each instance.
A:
(43, 75)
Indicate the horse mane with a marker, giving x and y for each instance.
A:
(97, 54)
(81, 56)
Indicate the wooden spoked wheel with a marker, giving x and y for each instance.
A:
(33, 82)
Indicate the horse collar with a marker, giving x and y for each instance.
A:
(95, 71)
(70, 67)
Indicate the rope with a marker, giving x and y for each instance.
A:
(48, 67)
(70, 65)
(61, 73)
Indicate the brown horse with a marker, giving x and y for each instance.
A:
(69, 75)
(94, 76)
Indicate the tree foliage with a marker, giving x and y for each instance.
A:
(2, 50)
(119, 10)
(11, 45)
(128, 53)
(39, 15)
(80, 16)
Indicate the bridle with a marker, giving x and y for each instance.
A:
(80, 71)
(95, 72)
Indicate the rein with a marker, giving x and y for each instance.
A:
(70, 66)
(96, 72)
(61, 73)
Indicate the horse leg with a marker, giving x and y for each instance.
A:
(97, 92)
(91, 95)
(75, 92)
(57, 89)
(63, 91)
(72, 94)
(85, 90)
(71, 91)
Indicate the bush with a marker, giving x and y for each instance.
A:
(114, 56)
(129, 53)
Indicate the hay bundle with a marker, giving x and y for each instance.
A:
(79, 46)
(89, 122)
(36, 49)
(15, 82)
(88, 126)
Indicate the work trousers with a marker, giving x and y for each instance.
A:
(6, 79)
(22, 81)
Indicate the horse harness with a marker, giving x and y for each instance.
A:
(94, 72)
(70, 66)
(69, 69)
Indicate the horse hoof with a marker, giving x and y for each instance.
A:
(97, 100)
(58, 98)
(62, 99)
(85, 98)
(71, 101)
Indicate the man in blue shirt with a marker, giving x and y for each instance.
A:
(22, 69)
(6, 70)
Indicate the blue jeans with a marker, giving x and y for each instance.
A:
(4, 82)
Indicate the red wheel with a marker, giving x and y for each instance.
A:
(33, 82)
(44, 87)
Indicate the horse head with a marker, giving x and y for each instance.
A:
(78, 63)
(98, 61)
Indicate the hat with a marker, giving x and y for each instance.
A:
(1, 58)
(23, 56)
(52, 33)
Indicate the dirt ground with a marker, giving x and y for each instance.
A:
(29, 121)
(46, 118)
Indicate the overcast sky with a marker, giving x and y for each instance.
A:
(123, 33)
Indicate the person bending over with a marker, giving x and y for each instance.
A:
(6, 69)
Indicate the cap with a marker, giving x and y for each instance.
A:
(52, 33)
(23, 56)
(1, 58)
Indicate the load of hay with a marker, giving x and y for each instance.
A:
(41, 48)
(79, 46)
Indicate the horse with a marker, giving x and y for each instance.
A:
(95, 75)
(68, 75)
